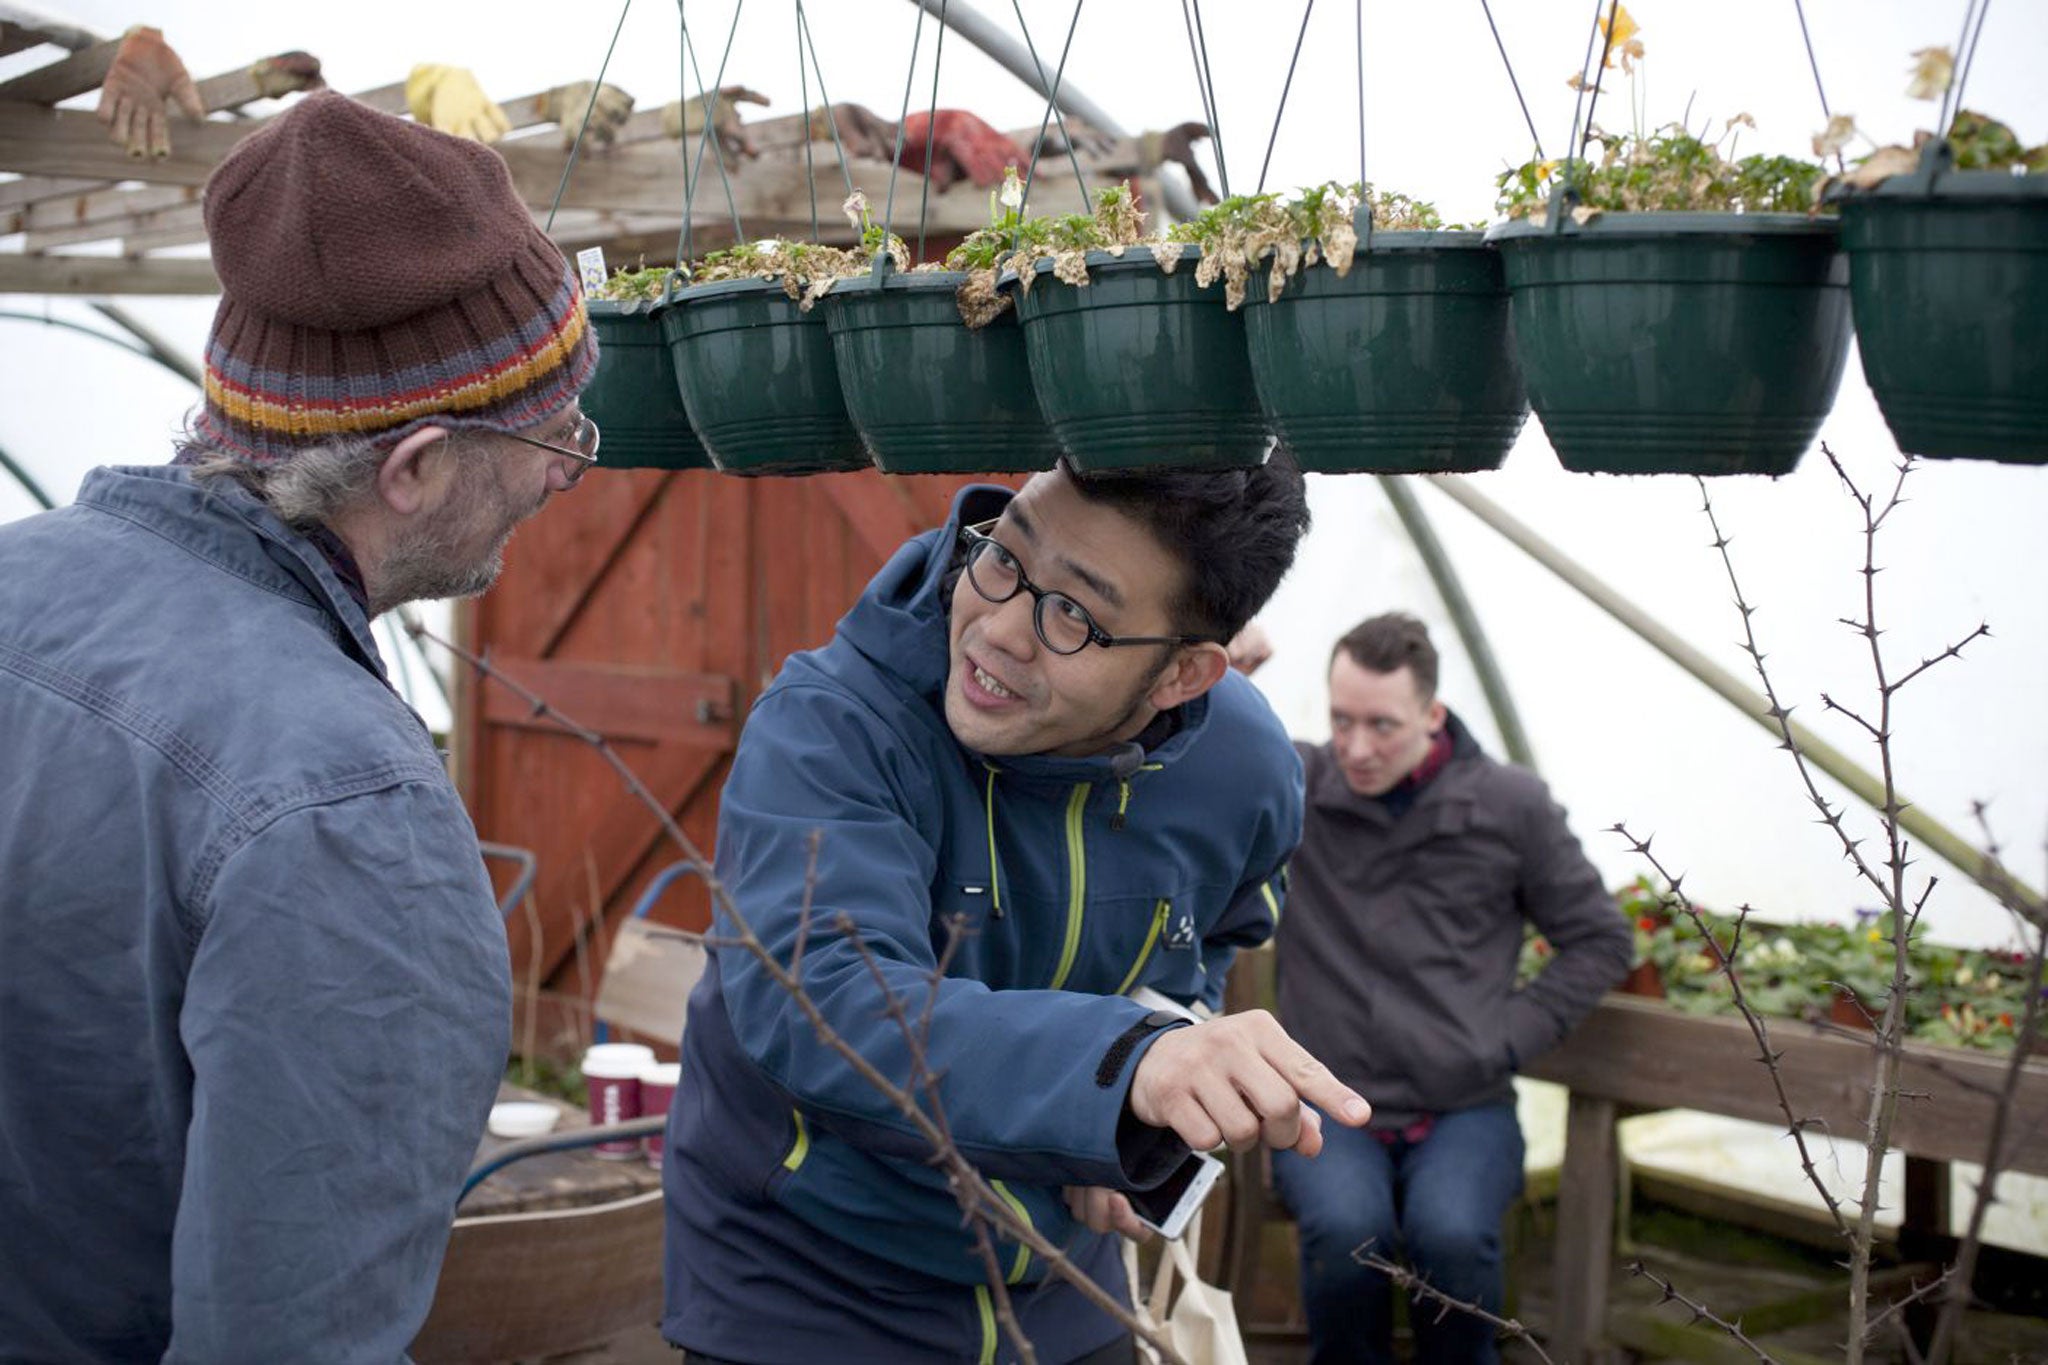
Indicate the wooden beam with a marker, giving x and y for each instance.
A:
(103, 275)
(1585, 1227)
(1645, 1053)
(60, 80)
(35, 140)
(30, 189)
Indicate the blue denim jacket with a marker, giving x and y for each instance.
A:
(254, 997)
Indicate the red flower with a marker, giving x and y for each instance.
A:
(1647, 925)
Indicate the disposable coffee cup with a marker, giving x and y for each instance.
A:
(657, 1088)
(611, 1074)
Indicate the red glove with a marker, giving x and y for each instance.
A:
(955, 143)
(144, 80)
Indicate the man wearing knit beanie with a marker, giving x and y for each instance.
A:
(256, 1000)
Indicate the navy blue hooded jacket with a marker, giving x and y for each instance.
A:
(805, 1219)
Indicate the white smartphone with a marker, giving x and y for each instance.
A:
(1167, 1206)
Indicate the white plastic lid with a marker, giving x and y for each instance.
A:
(522, 1119)
(661, 1073)
(616, 1060)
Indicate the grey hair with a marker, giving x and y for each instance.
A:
(307, 489)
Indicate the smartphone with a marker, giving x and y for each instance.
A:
(1167, 1206)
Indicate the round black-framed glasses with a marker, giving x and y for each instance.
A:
(1062, 624)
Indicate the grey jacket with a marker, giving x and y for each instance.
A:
(254, 996)
(1397, 955)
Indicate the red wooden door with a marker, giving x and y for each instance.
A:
(652, 607)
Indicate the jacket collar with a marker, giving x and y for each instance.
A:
(228, 527)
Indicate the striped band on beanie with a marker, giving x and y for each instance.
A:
(378, 276)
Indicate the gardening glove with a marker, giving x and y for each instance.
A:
(285, 73)
(953, 144)
(565, 104)
(145, 79)
(1177, 144)
(448, 98)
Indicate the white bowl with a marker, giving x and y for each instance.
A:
(523, 1119)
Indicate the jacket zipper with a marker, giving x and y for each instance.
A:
(799, 1149)
(1024, 1216)
(986, 1309)
(1159, 914)
(1077, 884)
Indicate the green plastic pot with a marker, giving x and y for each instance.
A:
(758, 381)
(633, 397)
(1140, 369)
(927, 394)
(1681, 343)
(1403, 365)
(1948, 274)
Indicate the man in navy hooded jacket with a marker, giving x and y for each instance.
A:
(1027, 726)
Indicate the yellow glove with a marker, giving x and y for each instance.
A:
(146, 78)
(448, 98)
(564, 106)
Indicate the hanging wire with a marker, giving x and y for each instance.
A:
(1586, 77)
(1799, 7)
(909, 77)
(1207, 77)
(931, 129)
(1969, 60)
(710, 99)
(683, 235)
(824, 97)
(1364, 186)
(1286, 86)
(1962, 40)
(803, 77)
(1052, 107)
(1194, 55)
(1579, 139)
(1503, 47)
(588, 109)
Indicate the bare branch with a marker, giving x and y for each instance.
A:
(1794, 1125)
(1423, 1289)
(1700, 1312)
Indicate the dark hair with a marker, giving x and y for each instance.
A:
(1390, 643)
(1234, 531)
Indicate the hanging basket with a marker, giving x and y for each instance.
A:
(633, 397)
(1948, 273)
(758, 381)
(1139, 369)
(1403, 365)
(1679, 343)
(927, 394)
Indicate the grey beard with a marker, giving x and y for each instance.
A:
(429, 563)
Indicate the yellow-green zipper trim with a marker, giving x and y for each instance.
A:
(801, 1148)
(1023, 1216)
(1272, 901)
(987, 1308)
(995, 870)
(1159, 914)
(1077, 882)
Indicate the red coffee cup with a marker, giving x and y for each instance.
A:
(611, 1074)
(657, 1089)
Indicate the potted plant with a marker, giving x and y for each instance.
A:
(633, 396)
(1675, 309)
(1135, 363)
(754, 360)
(1389, 354)
(927, 393)
(1948, 276)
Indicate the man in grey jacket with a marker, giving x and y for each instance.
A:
(1421, 859)
(254, 997)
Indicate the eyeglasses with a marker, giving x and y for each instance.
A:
(1063, 625)
(582, 449)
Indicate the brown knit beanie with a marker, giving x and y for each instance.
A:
(377, 276)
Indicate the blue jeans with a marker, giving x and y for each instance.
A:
(1438, 1202)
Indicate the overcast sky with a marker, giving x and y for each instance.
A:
(1621, 734)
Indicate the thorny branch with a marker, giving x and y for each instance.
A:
(1761, 1031)
(1423, 1289)
(1700, 1312)
(981, 1202)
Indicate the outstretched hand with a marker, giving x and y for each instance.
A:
(448, 98)
(1239, 1079)
(145, 80)
(565, 105)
